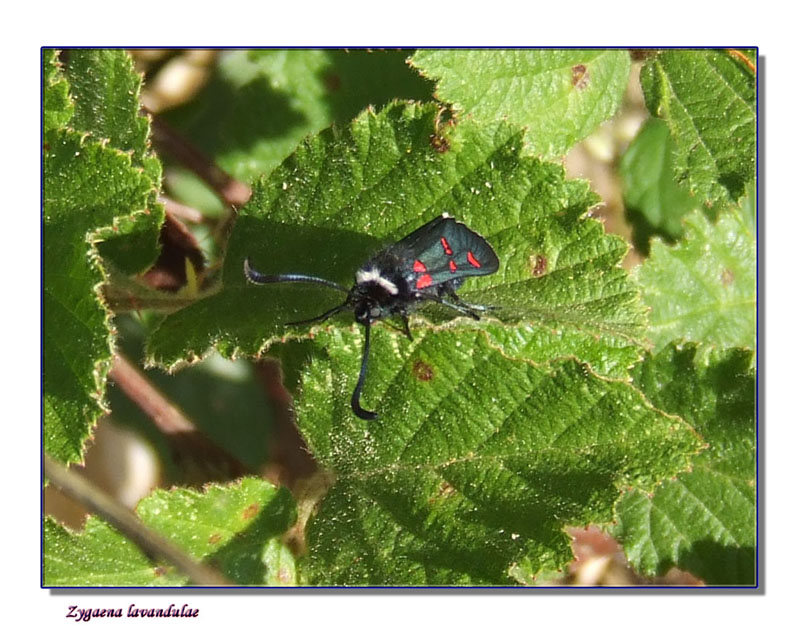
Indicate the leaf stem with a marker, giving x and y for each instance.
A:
(152, 543)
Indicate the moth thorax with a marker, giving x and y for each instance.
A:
(374, 278)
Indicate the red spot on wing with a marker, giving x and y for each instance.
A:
(419, 266)
(472, 260)
(446, 246)
(453, 266)
(424, 281)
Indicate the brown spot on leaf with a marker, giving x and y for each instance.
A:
(159, 571)
(250, 511)
(439, 143)
(580, 76)
(444, 491)
(538, 265)
(727, 277)
(214, 538)
(423, 371)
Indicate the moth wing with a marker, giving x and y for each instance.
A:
(444, 249)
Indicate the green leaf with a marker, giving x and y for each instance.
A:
(86, 186)
(92, 189)
(260, 104)
(106, 90)
(345, 194)
(235, 528)
(98, 557)
(707, 99)
(560, 96)
(477, 463)
(58, 108)
(703, 521)
(572, 298)
(704, 288)
(652, 198)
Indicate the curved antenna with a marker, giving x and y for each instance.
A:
(359, 412)
(262, 279)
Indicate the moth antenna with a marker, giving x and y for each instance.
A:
(359, 412)
(322, 317)
(258, 278)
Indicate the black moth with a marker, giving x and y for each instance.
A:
(429, 264)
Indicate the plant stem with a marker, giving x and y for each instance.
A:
(152, 543)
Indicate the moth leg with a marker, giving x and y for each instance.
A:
(464, 303)
(403, 327)
(406, 329)
(464, 308)
(460, 307)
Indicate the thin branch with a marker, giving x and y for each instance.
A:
(181, 211)
(200, 458)
(152, 543)
(234, 193)
(138, 388)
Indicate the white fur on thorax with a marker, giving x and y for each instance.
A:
(374, 275)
